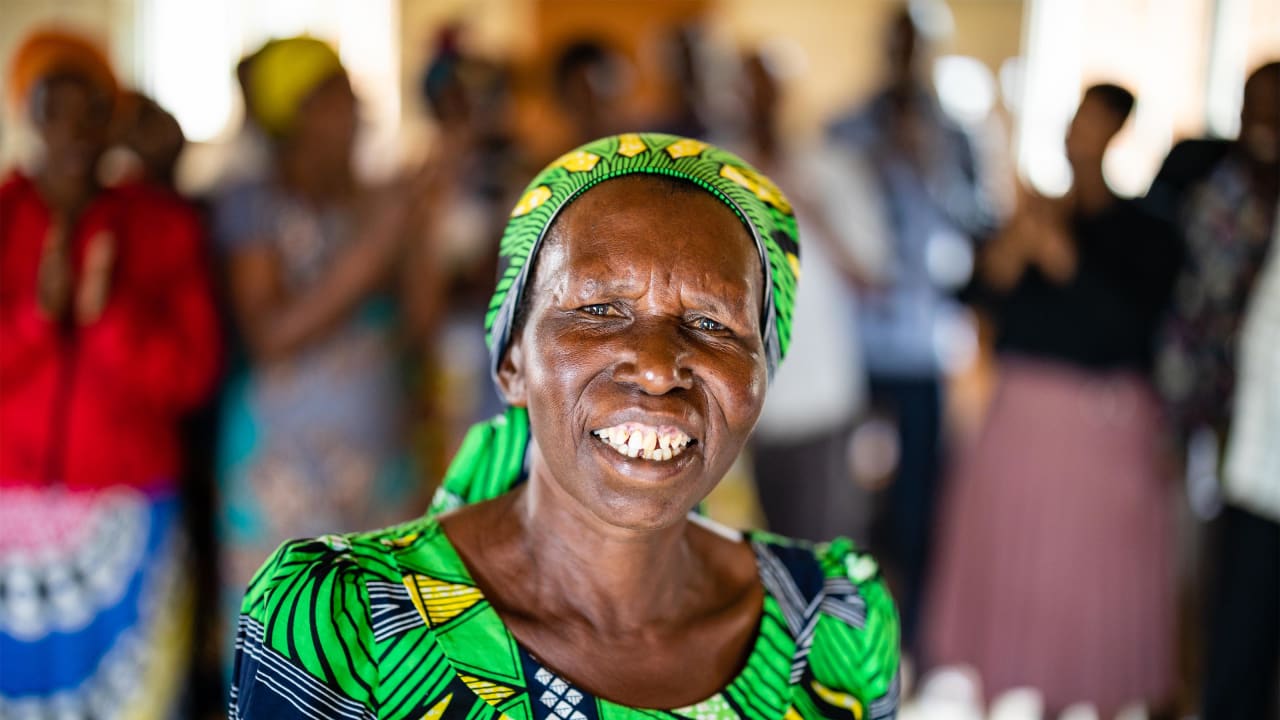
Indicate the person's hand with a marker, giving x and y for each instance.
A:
(379, 245)
(428, 187)
(1056, 255)
(452, 148)
(1054, 249)
(1003, 260)
(912, 137)
(95, 280)
(424, 194)
(53, 276)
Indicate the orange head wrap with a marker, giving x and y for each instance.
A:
(54, 51)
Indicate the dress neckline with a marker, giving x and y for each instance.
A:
(462, 650)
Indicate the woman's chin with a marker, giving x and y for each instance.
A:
(645, 494)
(640, 516)
(633, 508)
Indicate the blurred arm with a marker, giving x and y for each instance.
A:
(30, 334)
(28, 338)
(422, 278)
(276, 322)
(159, 344)
(1036, 236)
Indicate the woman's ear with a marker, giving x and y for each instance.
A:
(511, 374)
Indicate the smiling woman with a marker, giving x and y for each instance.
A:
(644, 301)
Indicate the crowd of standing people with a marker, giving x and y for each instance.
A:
(185, 383)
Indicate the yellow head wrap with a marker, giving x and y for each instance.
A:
(283, 74)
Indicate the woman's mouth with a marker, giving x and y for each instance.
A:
(647, 442)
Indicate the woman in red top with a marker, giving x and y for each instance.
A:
(107, 335)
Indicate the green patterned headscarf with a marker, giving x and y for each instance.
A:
(492, 458)
(761, 206)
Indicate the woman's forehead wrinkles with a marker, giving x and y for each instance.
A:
(591, 284)
(600, 279)
(708, 291)
(596, 266)
(720, 295)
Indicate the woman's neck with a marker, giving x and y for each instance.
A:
(616, 580)
(65, 196)
(1092, 195)
(300, 173)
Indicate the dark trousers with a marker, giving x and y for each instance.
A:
(1244, 621)
(903, 531)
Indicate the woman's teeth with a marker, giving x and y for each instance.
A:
(644, 441)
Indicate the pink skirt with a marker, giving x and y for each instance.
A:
(1054, 566)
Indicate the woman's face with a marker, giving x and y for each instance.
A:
(325, 129)
(640, 360)
(73, 117)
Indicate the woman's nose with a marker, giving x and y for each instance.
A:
(654, 359)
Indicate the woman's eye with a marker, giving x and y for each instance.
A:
(600, 310)
(708, 325)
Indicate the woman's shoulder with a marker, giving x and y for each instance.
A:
(325, 618)
(837, 564)
(349, 571)
(848, 625)
(353, 559)
(243, 213)
(305, 631)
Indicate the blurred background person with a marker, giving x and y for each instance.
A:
(1244, 640)
(589, 79)
(1222, 194)
(684, 61)
(468, 99)
(799, 450)
(313, 418)
(148, 142)
(147, 145)
(109, 336)
(934, 210)
(1055, 554)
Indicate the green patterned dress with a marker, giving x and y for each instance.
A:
(389, 624)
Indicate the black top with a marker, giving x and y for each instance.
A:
(1188, 164)
(1106, 317)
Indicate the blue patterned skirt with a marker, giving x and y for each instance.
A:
(95, 608)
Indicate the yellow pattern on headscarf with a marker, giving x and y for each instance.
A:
(630, 145)
(283, 74)
(685, 147)
(577, 161)
(762, 186)
(531, 200)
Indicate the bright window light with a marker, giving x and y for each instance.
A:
(1226, 67)
(189, 49)
(966, 88)
(1158, 50)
